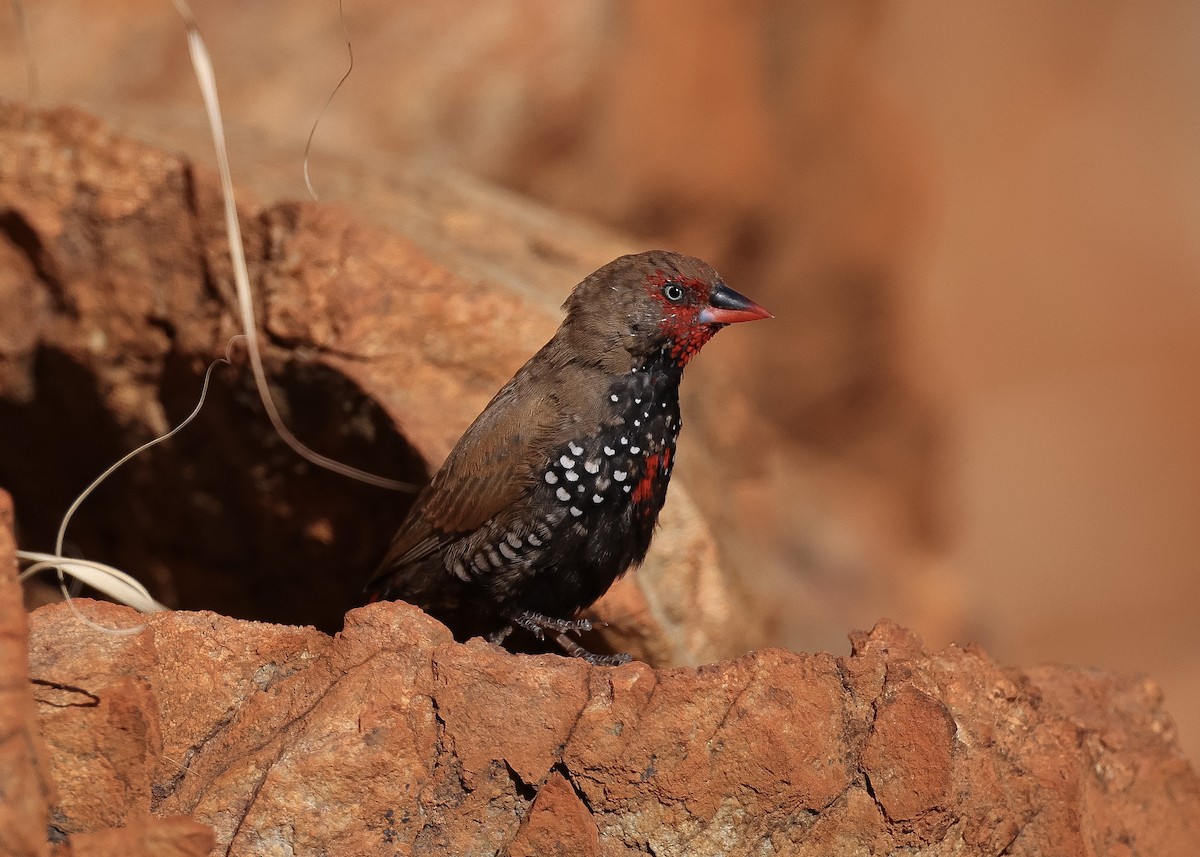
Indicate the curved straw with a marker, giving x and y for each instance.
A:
(109, 580)
(112, 581)
(312, 131)
(208, 89)
(86, 492)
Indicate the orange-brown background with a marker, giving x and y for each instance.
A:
(978, 224)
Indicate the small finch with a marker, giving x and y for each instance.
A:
(554, 490)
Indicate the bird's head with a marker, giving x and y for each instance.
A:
(655, 302)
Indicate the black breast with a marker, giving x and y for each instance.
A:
(592, 507)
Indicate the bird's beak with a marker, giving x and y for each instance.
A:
(725, 306)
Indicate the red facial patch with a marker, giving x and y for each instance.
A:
(679, 324)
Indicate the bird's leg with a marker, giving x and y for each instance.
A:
(575, 650)
(537, 624)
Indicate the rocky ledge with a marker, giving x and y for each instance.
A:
(390, 738)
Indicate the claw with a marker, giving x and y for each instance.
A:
(497, 638)
(536, 624)
(575, 650)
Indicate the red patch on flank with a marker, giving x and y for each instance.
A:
(645, 489)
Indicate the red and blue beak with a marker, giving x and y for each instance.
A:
(725, 306)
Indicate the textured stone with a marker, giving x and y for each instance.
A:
(26, 789)
(392, 736)
(559, 824)
(113, 742)
(144, 837)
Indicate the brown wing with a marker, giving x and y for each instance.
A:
(488, 470)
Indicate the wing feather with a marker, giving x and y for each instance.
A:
(489, 470)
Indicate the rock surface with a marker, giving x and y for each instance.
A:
(25, 786)
(27, 769)
(174, 836)
(392, 738)
(116, 280)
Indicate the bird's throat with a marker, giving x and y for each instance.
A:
(677, 351)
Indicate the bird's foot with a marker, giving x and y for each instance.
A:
(540, 625)
(497, 638)
(537, 624)
(575, 650)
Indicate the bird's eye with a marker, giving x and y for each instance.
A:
(673, 292)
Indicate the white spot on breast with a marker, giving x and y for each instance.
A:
(620, 475)
(592, 466)
(596, 498)
(608, 450)
(572, 476)
(551, 477)
(562, 494)
(508, 552)
(567, 462)
(637, 422)
(626, 489)
(635, 449)
(637, 401)
(575, 450)
(534, 540)
(613, 397)
(624, 441)
(576, 511)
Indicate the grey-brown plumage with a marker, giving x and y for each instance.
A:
(554, 490)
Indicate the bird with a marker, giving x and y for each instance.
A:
(554, 491)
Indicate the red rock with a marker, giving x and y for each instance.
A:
(907, 758)
(176, 836)
(390, 735)
(114, 740)
(25, 783)
(558, 824)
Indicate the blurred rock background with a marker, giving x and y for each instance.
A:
(978, 225)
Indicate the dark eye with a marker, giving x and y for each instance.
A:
(673, 292)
